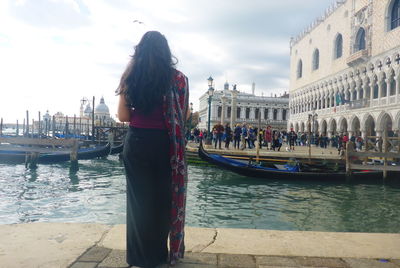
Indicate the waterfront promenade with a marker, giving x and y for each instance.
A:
(77, 245)
(299, 152)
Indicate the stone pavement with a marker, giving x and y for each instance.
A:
(106, 258)
(77, 245)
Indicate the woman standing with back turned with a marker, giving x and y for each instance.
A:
(154, 100)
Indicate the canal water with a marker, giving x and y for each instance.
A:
(216, 198)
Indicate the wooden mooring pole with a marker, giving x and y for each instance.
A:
(27, 123)
(349, 148)
(1, 127)
(74, 156)
(53, 128)
(93, 137)
(74, 125)
(385, 150)
(39, 126)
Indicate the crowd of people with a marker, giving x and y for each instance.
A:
(243, 136)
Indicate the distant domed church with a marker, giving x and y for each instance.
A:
(101, 113)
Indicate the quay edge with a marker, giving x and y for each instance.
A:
(62, 244)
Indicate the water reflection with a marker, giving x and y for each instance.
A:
(216, 198)
(224, 199)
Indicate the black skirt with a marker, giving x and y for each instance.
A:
(148, 177)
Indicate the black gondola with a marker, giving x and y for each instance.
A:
(117, 149)
(291, 171)
(18, 157)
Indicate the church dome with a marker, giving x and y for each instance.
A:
(102, 108)
(88, 109)
(226, 86)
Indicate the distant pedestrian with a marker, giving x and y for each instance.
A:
(244, 137)
(292, 137)
(268, 137)
(219, 130)
(228, 135)
(237, 132)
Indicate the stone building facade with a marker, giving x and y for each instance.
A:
(247, 109)
(345, 68)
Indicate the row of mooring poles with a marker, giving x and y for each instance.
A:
(45, 126)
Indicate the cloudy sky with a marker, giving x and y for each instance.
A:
(53, 53)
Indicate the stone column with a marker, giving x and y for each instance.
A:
(364, 136)
(243, 112)
(271, 114)
(223, 101)
(325, 100)
(280, 114)
(233, 108)
(379, 91)
(397, 86)
(252, 113)
(262, 113)
(214, 113)
(387, 81)
(398, 89)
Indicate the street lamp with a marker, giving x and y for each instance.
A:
(210, 94)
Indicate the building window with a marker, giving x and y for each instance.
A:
(247, 113)
(392, 87)
(238, 112)
(228, 114)
(299, 69)
(275, 114)
(338, 46)
(315, 59)
(376, 91)
(360, 40)
(266, 113)
(384, 89)
(257, 112)
(361, 93)
(395, 15)
(219, 111)
(354, 97)
(283, 114)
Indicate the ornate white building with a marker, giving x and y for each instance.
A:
(346, 69)
(247, 108)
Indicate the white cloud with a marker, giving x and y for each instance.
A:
(54, 52)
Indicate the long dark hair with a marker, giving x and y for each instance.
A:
(149, 73)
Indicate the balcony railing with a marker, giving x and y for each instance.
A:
(358, 104)
(358, 57)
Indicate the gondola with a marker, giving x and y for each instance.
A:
(292, 170)
(18, 157)
(117, 149)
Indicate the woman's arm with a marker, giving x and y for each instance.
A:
(123, 110)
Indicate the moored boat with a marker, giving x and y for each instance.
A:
(19, 156)
(291, 170)
(117, 149)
